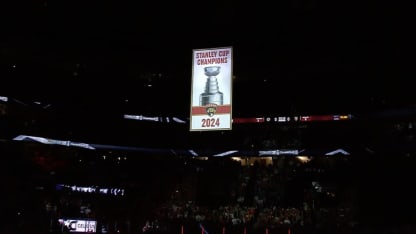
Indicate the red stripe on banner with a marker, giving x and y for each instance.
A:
(202, 110)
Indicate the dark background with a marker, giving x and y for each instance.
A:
(91, 62)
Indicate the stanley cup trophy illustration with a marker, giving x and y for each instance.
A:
(211, 95)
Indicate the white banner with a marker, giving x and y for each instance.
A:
(211, 95)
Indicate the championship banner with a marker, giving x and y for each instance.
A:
(211, 94)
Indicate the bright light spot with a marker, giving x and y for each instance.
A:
(304, 159)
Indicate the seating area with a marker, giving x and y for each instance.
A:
(188, 195)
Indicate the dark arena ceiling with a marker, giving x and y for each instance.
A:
(72, 69)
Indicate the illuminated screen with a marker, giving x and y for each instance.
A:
(79, 225)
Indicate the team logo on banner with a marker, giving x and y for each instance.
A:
(211, 109)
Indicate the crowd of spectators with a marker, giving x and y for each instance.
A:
(184, 195)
